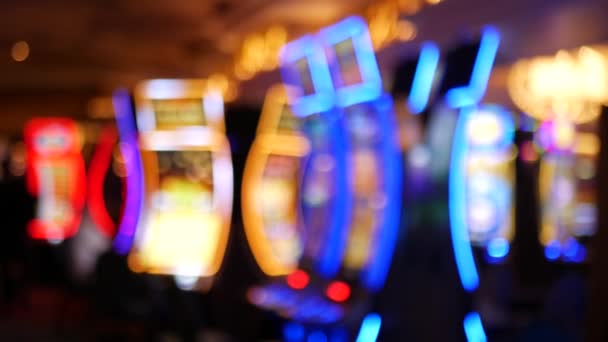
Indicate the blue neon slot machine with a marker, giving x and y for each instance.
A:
(480, 179)
(187, 191)
(374, 160)
(337, 302)
(270, 190)
(324, 199)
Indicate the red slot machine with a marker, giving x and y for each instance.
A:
(55, 174)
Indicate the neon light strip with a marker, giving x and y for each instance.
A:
(473, 328)
(423, 78)
(100, 163)
(370, 88)
(322, 99)
(370, 328)
(463, 252)
(474, 92)
(375, 274)
(134, 171)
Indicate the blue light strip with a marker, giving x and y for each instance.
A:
(423, 78)
(370, 328)
(474, 92)
(322, 99)
(375, 273)
(473, 328)
(370, 88)
(134, 180)
(463, 252)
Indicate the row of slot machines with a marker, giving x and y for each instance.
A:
(329, 182)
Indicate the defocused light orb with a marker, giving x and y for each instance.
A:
(20, 51)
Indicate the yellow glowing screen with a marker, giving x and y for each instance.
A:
(182, 230)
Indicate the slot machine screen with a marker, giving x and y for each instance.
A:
(348, 65)
(279, 205)
(304, 76)
(182, 225)
(288, 122)
(319, 187)
(366, 182)
(175, 113)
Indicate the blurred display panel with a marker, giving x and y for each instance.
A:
(320, 193)
(490, 179)
(56, 176)
(185, 221)
(367, 186)
(270, 192)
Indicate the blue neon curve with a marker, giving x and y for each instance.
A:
(422, 85)
(474, 92)
(375, 273)
(370, 328)
(463, 253)
(370, 88)
(473, 328)
(134, 181)
(310, 48)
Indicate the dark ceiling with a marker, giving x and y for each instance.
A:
(84, 48)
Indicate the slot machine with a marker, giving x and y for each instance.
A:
(480, 172)
(339, 305)
(566, 189)
(270, 189)
(324, 199)
(187, 187)
(564, 93)
(374, 161)
(55, 174)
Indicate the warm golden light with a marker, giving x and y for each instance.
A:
(20, 51)
(406, 30)
(569, 85)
